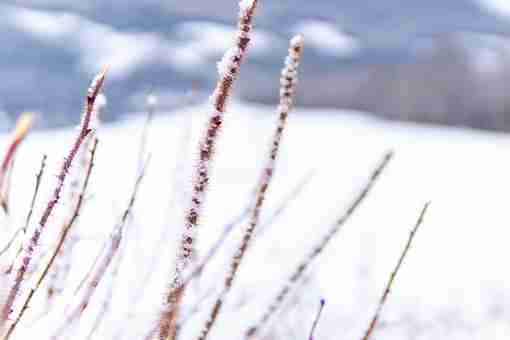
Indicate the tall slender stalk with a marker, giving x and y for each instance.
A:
(58, 247)
(33, 242)
(254, 330)
(373, 323)
(228, 68)
(288, 82)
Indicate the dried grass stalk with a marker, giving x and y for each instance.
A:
(373, 323)
(228, 69)
(308, 260)
(288, 82)
(33, 241)
(60, 242)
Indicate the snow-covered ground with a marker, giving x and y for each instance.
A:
(453, 285)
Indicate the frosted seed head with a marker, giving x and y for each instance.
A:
(152, 101)
(245, 5)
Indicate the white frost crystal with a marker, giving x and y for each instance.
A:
(245, 4)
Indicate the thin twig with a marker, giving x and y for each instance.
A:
(62, 267)
(373, 323)
(23, 125)
(103, 261)
(288, 82)
(33, 242)
(229, 68)
(24, 229)
(308, 260)
(317, 318)
(59, 245)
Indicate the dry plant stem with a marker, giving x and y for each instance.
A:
(216, 246)
(60, 271)
(151, 109)
(31, 209)
(231, 226)
(106, 303)
(102, 262)
(283, 205)
(316, 321)
(288, 82)
(373, 323)
(308, 260)
(7, 187)
(21, 129)
(62, 265)
(230, 67)
(59, 245)
(33, 242)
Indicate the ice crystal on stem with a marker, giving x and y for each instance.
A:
(282, 295)
(229, 70)
(287, 87)
(33, 241)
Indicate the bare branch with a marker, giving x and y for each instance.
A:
(389, 284)
(288, 82)
(307, 261)
(316, 321)
(229, 68)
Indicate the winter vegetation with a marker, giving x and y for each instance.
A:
(139, 231)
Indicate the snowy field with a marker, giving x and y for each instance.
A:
(453, 284)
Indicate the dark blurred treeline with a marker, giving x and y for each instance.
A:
(450, 84)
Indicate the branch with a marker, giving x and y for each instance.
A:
(316, 321)
(33, 242)
(59, 245)
(307, 261)
(23, 125)
(393, 275)
(102, 262)
(30, 210)
(288, 82)
(229, 68)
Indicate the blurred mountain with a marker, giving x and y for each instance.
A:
(435, 61)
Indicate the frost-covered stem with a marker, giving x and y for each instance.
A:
(288, 82)
(216, 246)
(60, 242)
(30, 210)
(29, 215)
(62, 266)
(93, 281)
(107, 300)
(60, 272)
(21, 130)
(283, 205)
(33, 242)
(151, 103)
(308, 260)
(229, 68)
(389, 284)
(38, 180)
(102, 263)
(316, 320)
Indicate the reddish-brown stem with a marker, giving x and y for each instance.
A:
(373, 323)
(229, 69)
(33, 242)
(60, 242)
(288, 82)
(254, 330)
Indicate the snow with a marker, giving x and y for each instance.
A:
(453, 284)
(244, 5)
